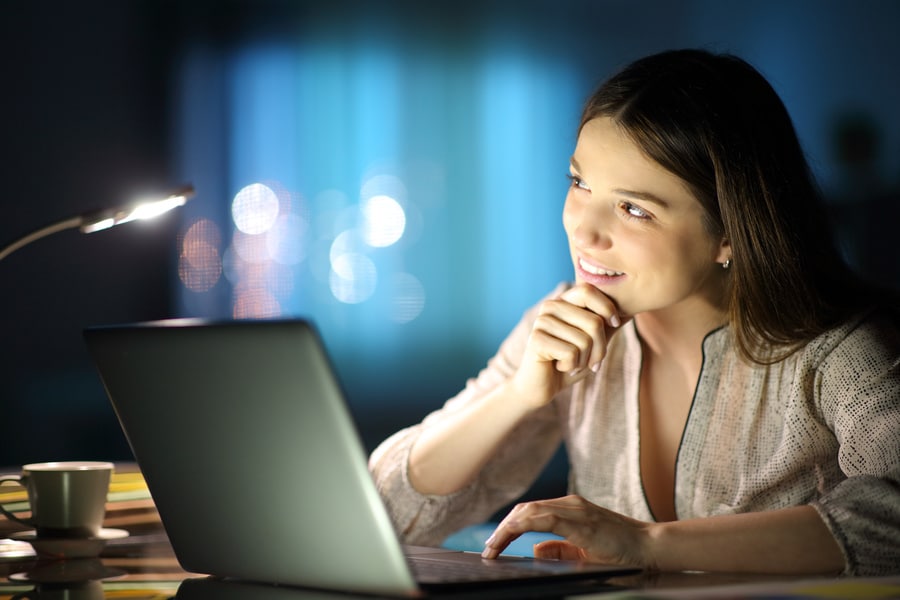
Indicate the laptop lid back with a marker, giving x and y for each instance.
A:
(250, 453)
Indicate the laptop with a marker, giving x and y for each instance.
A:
(254, 462)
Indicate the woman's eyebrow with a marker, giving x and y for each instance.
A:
(645, 196)
(634, 194)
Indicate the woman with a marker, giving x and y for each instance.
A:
(727, 391)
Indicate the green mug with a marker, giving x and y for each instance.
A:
(66, 499)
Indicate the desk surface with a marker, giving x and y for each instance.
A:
(143, 565)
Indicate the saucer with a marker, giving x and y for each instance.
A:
(69, 547)
(60, 572)
(15, 549)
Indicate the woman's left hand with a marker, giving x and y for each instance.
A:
(591, 533)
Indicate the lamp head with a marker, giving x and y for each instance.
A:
(104, 219)
(145, 209)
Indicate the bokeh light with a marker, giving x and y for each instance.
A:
(267, 241)
(255, 208)
(250, 248)
(347, 242)
(353, 278)
(286, 240)
(255, 293)
(255, 304)
(383, 221)
(383, 184)
(283, 251)
(199, 261)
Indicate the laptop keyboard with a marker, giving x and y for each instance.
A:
(470, 567)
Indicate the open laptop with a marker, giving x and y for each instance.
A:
(249, 450)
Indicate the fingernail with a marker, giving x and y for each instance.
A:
(595, 367)
(614, 321)
(489, 541)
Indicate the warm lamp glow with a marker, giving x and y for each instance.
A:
(106, 218)
(147, 209)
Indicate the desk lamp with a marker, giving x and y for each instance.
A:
(99, 220)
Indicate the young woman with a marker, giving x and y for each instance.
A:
(728, 392)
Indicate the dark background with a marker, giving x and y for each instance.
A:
(87, 118)
(84, 113)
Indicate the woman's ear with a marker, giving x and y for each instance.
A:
(724, 254)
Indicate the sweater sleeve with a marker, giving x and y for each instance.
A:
(429, 519)
(860, 398)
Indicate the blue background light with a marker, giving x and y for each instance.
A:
(474, 123)
(296, 115)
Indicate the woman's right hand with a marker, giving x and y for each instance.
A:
(567, 342)
(568, 338)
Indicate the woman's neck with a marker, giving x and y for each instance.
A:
(678, 332)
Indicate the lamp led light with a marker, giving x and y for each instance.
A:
(104, 219)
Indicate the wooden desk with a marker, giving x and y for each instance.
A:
(143, 566)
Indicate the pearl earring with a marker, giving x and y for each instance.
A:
(726, 264)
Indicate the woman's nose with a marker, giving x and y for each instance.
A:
(590, 230)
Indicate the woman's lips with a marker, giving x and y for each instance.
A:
(597, 274)
(597, 269)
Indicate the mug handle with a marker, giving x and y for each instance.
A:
(18, 480)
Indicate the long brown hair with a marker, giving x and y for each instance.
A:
(715, 122)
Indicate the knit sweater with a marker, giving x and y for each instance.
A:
(821, 427)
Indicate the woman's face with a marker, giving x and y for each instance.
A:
(635, 231)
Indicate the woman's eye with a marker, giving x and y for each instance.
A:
(578, 182)
(634, 211)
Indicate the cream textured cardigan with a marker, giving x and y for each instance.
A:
(822, 428)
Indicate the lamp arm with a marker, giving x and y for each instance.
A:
(70, 223)
(104, 219)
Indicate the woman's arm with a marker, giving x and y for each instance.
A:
(426, 519)
(568, 338)
(450, 454)
(792, 540)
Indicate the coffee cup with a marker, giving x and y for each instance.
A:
(67, 499)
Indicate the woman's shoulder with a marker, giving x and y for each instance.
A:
(870, 334)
